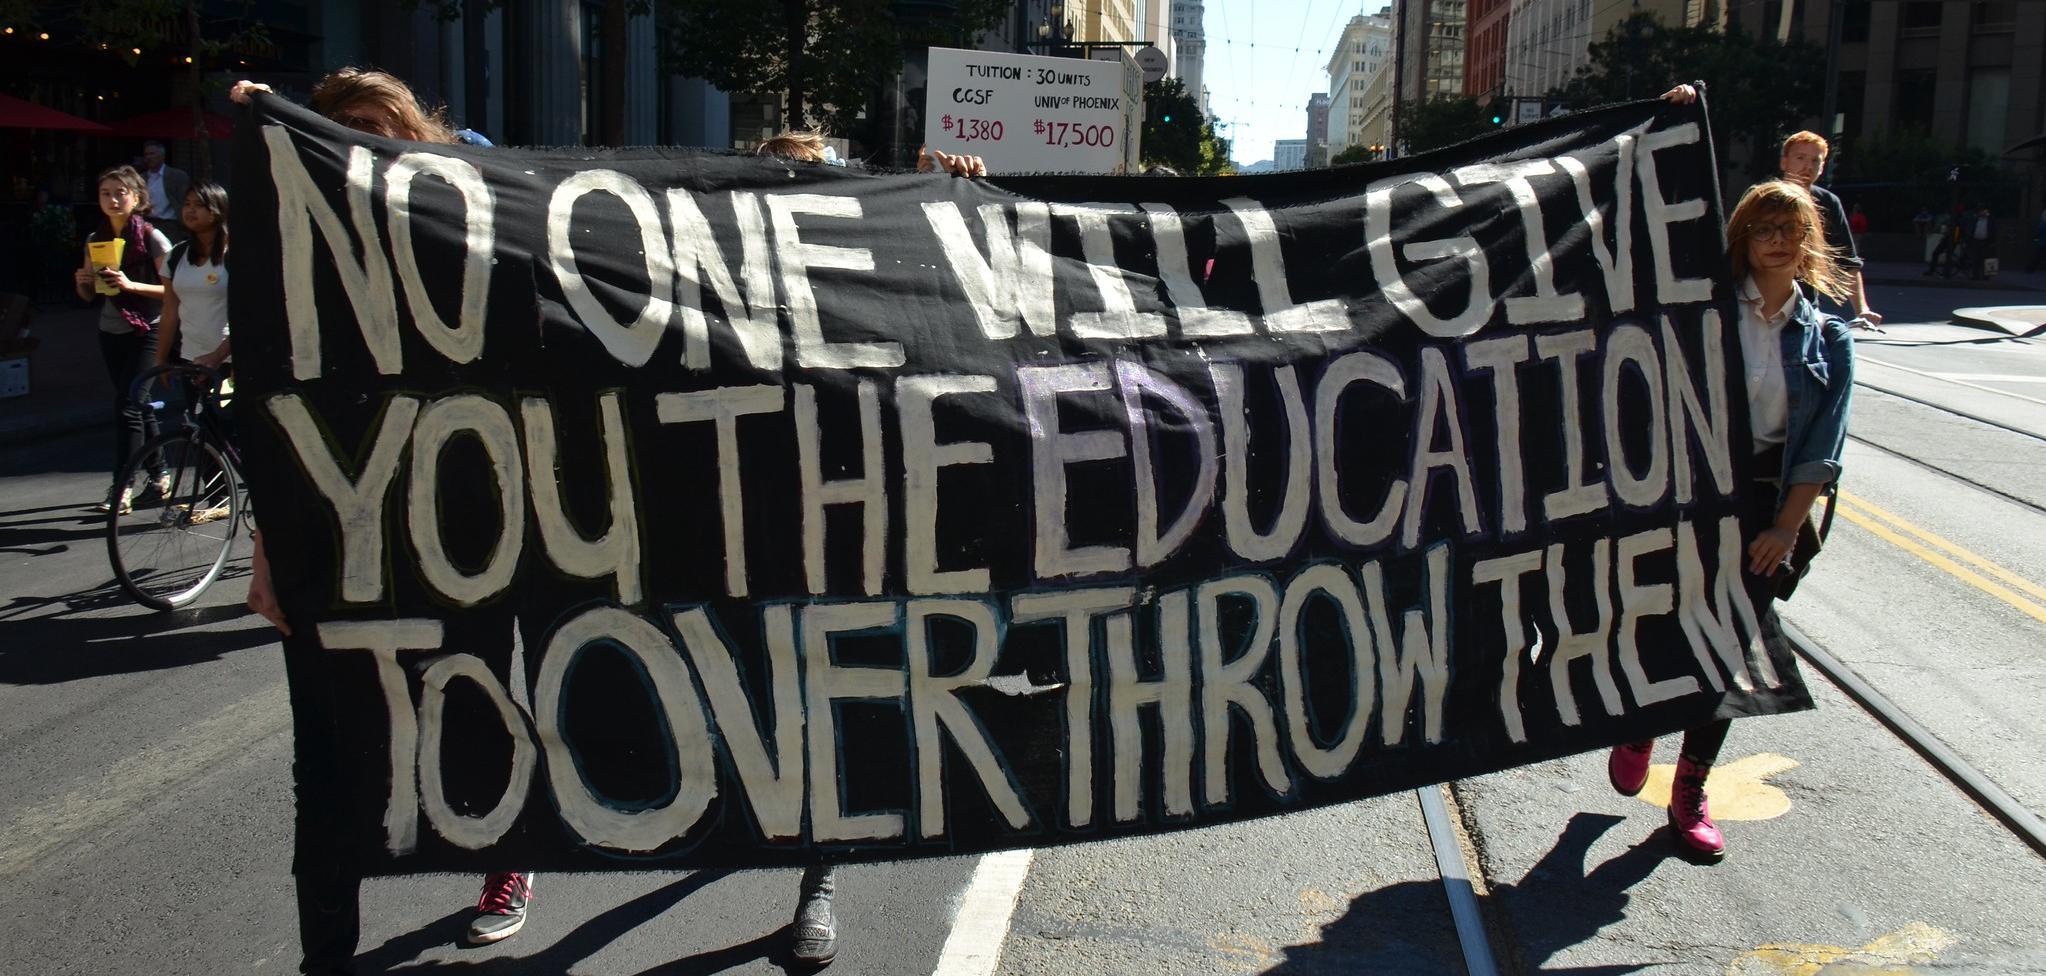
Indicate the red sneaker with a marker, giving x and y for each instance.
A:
(1627, 767)
(1688, 818)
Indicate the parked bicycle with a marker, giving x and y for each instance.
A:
(184, 527)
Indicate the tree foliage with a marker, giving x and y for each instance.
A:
(1215, 159)
(132, 29)
(1444, 120)
(1351, 154)
(826, 56)
(1759, 90)
(1172, 126)
(1176, 134)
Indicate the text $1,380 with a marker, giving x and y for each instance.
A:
(971, 130)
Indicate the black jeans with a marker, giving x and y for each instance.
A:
(330, 799)
(127, 355)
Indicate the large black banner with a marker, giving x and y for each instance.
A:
(668, 508)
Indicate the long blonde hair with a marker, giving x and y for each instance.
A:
(1817, 264)
(380, 90)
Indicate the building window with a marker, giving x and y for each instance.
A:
(1922, 15)
(1988, 106)
(1913, 106)
(1853, 88)
(1994, 16)
(1854, 22)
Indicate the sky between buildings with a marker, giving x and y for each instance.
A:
(1264, 58)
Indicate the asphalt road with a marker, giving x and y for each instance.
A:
(145, 806)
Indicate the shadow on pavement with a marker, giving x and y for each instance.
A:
(1557, 905)
(51, 529)
(398, 955)
(70, 645)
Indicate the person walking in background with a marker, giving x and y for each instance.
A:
(195, 326)
(1857, 221)
(1800, 380)
(129, 290)
(1948, 249)
(1981, 243)
(167, 186)
(1802, 161)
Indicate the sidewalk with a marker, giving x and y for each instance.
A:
(1912, 274)
(67, 381)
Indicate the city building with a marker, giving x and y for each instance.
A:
(1547, 41)
(1375, 132)
(1289, 154)
(1362, 51)
(1432, 50)
(1317, 130)
(1484, 59)
(1189, 38)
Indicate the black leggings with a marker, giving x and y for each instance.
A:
(127, 355)
(1701, 743)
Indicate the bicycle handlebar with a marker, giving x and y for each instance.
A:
(209, 380)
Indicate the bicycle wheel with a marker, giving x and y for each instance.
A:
(178, 537)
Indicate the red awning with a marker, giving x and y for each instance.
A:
(18, 114)
(172, 123)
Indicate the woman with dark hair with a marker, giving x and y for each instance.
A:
(1800, 380)
(195, 285)
(130, 294)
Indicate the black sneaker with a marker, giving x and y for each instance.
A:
(501, 909)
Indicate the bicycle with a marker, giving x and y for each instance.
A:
(183, 526)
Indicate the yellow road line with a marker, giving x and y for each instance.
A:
(1958, 571)
(1950, 548)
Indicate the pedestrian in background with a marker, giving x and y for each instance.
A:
(1981, 244)
(130, 297)
(1802, 162)
(195, 326)
(1857, 221)
(1946, 253)
(1800, 378)
(167, 186)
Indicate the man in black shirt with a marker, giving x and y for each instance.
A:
(1803, 159)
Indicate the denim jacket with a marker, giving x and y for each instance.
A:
(1818, 371)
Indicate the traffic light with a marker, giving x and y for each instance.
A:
(1168, 117)
(1498, 119)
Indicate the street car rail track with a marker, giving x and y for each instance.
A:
(1978, 418)
(1456, 883)
(1949, 473)
(2001, 805)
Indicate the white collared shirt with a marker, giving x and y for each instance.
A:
(159, 201)
(1762, 348)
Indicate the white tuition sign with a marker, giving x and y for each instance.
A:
(1027, 114)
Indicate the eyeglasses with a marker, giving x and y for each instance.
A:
(1771, 232)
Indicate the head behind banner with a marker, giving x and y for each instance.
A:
(805, 147)
(1780, 202)
(379, 103)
